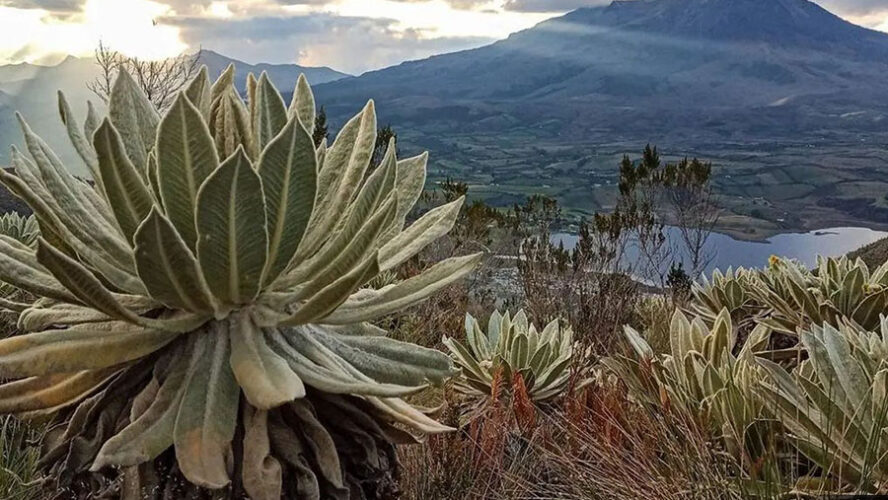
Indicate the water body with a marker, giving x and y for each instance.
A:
(805, 247)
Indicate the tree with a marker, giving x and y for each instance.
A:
(653, 194)
(383, 137)
(692, 208)
(160, 80)
(320, 132)
(636, 215)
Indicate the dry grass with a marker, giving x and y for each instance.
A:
(614, 449)
(597, 445)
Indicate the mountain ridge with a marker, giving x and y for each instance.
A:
(31, 89)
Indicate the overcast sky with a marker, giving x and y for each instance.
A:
(348, 35)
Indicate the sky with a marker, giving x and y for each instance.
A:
(349, 35)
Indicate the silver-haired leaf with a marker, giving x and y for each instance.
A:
(251, 96)
(81, 143)
(82, 283)
(288, 170)
(124, 186)
(302, 106)
(328, 300)
(37, 318)
(21, 270)
(134, 117)
(92, 120)
(207, 415)
(265, 377)
(153, 181)
(271, 113)
(222, 84)
(431, 226)
(168, 268)
(341, 175)
(50, 391)
(406, 293)
(324, 374)
(410, 183)
(233, 242)
(230, 125)
(186, 156)
(199, 92)
(82, 347)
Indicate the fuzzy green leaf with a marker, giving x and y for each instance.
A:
(207, 417)
(288, 170)
(82, 347)
(168, 268)
(186, 156)
(82, 283)
(134, 117)
(303, 104)
(125, 188)
(233, 242)
(271, 113)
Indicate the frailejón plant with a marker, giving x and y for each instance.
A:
(789, 297)
(512, 346)
(834, 405)
(701, 375)
(20, 230)
(203, 321)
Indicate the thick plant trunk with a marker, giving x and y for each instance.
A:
(307, 438)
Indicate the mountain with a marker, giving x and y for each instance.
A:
(721, 54)
(283, 75)
(750, 84)
(31, 89)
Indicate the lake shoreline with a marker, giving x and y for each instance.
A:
(728, 251)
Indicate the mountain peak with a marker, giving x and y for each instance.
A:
(784, 22)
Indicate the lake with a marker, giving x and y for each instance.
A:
(805, 247)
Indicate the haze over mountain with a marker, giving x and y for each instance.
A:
(32, 89)
(714, 59)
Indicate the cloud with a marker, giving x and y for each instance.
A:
(60, 6)
(855, 7)
(350, 44)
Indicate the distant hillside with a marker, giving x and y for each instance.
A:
(874, 254)
(31, 89)
(786, 98)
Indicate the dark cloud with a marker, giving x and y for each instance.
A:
(61, 6)
(351, 44)
(551, 5)
(303, 2)
(457, 4)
